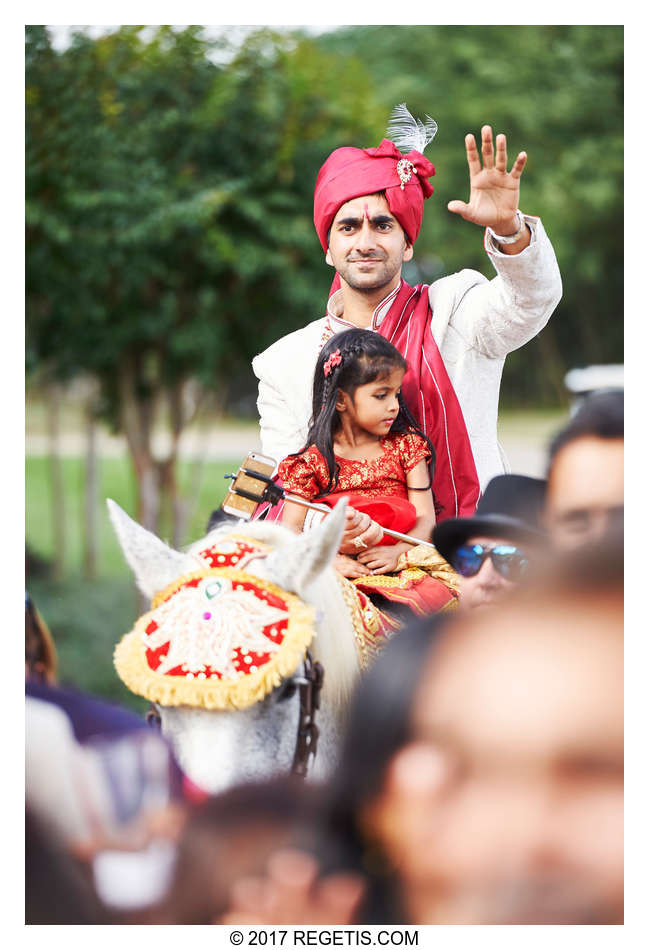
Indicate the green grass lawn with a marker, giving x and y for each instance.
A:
(117, 482)
(88, 618)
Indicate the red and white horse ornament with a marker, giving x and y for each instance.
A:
(238, 625)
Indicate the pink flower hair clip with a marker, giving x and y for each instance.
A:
(334, 360)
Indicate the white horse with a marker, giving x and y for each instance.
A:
(247, 593)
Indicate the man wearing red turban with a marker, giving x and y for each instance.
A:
(455, 333)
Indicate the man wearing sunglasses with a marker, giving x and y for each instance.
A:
(492, 551)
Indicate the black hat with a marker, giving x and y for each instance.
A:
(511, 507)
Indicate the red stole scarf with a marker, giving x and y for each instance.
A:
(431, 399)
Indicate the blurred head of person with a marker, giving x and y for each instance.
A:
(493, 551)
(505, 803)
(228, 839)
(40, 652)
(379, 726)
(586, 472)
(56, 889)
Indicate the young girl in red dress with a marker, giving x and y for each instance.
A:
(363, 444)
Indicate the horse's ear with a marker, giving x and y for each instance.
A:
(154, 563)
(294, 566)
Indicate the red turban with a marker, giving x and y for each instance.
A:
(352, 172)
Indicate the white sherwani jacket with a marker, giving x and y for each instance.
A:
(475, 322)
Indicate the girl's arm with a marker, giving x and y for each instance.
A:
(418, 478)
(293, 516)
(383, 559)
(300, 477)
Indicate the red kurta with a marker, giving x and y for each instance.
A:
(306, 474)
(431, 399)
(378, 481)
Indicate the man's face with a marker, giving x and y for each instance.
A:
(507, 805)
(488, 586)
(585, 488)
(367, 245)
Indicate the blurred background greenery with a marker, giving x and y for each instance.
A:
(169, 182)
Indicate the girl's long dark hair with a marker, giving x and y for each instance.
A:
(364, 357)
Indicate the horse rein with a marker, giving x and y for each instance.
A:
(309, 685)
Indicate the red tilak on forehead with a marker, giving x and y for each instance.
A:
(367, 211)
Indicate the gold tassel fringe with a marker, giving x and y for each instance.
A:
(133, 669)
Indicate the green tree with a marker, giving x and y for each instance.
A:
(557, 91)
(169, 215)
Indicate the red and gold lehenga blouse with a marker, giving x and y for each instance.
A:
(424, 583)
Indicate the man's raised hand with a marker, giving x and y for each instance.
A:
(494, 197)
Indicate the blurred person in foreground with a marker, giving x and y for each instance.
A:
(56, 889)
(506, 805)
(494, 550)
(299, 887)
(225, 845)
(41, 661)
(482, 777)
(102, 789)
(586, 473)
(105, 807)
(89, 716)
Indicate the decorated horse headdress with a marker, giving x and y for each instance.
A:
(218, 636)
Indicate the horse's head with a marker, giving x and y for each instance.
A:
(231, 620)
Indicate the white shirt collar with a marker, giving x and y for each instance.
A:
(335, 311)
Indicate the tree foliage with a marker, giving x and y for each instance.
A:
(557, 92)
(169, 209)
(169, 198)
(170, 191)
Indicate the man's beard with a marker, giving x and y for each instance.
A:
(381, 277)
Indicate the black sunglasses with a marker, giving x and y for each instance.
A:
(510, 562)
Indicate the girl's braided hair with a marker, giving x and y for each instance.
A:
(364, 356)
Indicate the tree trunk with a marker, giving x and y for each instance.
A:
(136, 416)
(56, 480)
(178, 419)
(136, 424)
(90, 529)
(158, 497)
(187, 506)
(148, 493)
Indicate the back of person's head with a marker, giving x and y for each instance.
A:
(230, 836)
(378, 726)
(379, 718)
(218, 519)
(57, 891)
(40, 652)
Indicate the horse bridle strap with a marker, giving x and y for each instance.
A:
(309, 685)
